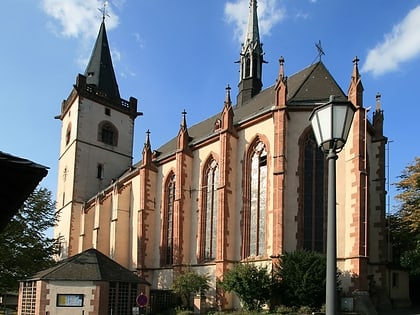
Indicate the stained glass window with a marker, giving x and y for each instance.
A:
(313, 196)
(257, 201)
(168, 221)
(210, 197)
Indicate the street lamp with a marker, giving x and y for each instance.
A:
(331, 124)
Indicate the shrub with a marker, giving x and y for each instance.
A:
(190, 283)
(252, 284)
(301, 277)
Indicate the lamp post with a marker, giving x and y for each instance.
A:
(331, 124)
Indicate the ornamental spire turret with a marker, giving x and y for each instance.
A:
(227, 113)
(147, 150)
(251, 59)
(355, 92)
(183, 137)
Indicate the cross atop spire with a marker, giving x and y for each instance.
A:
(103, 10)
(184, 120)
(147, 143)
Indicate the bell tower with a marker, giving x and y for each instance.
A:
(97, 131)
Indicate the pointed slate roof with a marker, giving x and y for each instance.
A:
(100, 71)
(309, 87)
(313, 84)
(252, 36)
(90, 265)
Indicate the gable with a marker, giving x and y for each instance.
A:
(312, 85)
(90, 265)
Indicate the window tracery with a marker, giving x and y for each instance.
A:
(209, 211)
(255, 214)
(168, 221)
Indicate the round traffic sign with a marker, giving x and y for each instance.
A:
(141, 300)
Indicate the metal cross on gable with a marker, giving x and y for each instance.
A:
(320, 50)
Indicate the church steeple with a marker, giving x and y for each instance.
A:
(97, 128)
(250, 81)
(100, 71)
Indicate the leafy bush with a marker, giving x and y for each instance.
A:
(188, 283)
(252, 284)
(282, 309)
(301, 278)
(305, 310)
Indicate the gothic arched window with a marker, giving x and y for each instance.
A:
(168, 221)
(108, 133)
(68, 133)
(247, 72)
(209, 211)
(312, 205)
(254, 242)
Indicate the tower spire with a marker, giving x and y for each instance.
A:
(253, 33)
(251, 59)
(100, 70)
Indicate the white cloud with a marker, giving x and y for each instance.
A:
(138, 39)
(78, 18)
(269, 14)
(115, 55)
(400, 45)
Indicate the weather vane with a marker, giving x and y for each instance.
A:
(320, 50)
(103, 10)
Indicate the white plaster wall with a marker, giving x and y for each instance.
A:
(135, 208)
(92, 113)
(345, 189)
(66, 164)
(70, 287)
(162, 279)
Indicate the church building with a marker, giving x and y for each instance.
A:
(245, 185)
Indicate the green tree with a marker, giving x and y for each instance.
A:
(301, 278)
(405, 223)
(405, 244)
(252, 284)
(24, 246)
(189, 283)
(409, 196)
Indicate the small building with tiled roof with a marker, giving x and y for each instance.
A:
(86, 283)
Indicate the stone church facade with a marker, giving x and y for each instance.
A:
(246, 184)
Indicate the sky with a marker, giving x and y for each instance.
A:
(176, 55)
